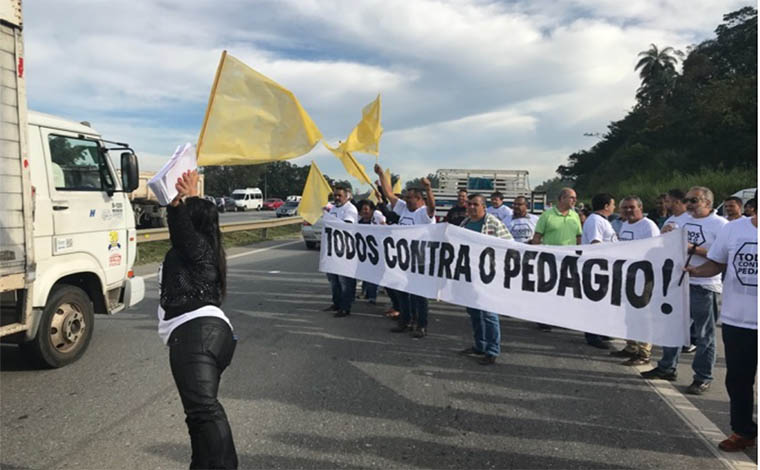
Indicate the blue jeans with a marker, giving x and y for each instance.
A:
(370, 290)
(704, 304)
(486, 331)
(413, 307)
(343, 291)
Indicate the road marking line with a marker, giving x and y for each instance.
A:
(239, 255)
(705, 429)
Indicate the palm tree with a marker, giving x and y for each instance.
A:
(657, 70)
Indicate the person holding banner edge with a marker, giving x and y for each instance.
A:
(413, 211)
(486, 330)
(343, 287)
(702, 226)
(736, 244)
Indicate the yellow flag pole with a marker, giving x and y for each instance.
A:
(210, 102)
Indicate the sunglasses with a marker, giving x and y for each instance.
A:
(692, 200)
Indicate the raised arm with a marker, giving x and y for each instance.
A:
(185, 239)
(430, 200)
(386, 185)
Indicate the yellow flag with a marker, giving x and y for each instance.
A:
(353, 167)
(315, 194)
(250, 119)
(397, 186)
(365, 137)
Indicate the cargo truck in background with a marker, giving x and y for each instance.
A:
(148, 213)
(67, 230)
(511, 183)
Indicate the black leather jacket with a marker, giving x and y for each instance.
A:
(189, 277)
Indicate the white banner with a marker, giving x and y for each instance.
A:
(624, 290)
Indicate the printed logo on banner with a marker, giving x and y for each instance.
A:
(406, 221)
(745, 264)
(696, 235)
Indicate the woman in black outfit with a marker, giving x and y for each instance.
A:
(192, 285)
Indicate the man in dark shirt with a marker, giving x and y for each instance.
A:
(457, 214)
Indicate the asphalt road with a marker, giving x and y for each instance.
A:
(306, 390)
(227, 217)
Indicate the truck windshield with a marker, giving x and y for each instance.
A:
(79, 164)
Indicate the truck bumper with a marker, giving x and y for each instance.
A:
(134, 291)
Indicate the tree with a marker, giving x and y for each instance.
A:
(417, 182)
(657, 70)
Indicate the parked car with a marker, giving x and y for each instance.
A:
(272, 204)
(312, 234)
(288, 209)
(210, 199)
(224, 204)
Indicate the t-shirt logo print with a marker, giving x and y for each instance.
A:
(745, 264)
(626, 235)
(522, 231)
(696, 235)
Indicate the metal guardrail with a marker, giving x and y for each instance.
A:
(156, 234)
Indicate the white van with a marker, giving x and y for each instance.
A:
(248, 198)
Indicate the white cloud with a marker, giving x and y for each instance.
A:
(470, 83)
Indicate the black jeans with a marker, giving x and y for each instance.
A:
(741, 365)
(200, 350)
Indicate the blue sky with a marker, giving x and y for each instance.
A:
(465, 83)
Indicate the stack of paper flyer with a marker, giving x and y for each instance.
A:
(163, 183)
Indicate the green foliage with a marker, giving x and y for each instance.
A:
(553, 186)
(723, 183)
(417, 182)
(700, 123)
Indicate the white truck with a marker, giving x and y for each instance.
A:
(67, 231)
(511, 183)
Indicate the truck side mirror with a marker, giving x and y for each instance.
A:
(130, 174)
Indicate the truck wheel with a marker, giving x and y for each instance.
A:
(65, 327)
(242, 208)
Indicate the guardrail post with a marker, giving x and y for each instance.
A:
(264, 230)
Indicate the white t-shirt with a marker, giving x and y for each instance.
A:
(597, 228)
(676, 221)
(503, 213)
(702, 233)
(643, 228)
(347, 213)
(407, 217)
(736, 247)
(166, 327)
(523, 228)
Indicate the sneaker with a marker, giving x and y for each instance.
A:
(623, 353)
(331, 308)
(419, 333)
(487, 360)
(698, 387)
(599, 344)
(656, 373)
(471, 352)
(636, 361)
(399, 329)
(688, 349)
(736, 443)
(342, 313)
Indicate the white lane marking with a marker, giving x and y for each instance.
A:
(273, 272)
(705, 429)
(238, 255)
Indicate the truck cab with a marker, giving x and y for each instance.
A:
(83, 235)
(248, 198)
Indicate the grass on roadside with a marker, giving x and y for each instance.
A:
(154, 252)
